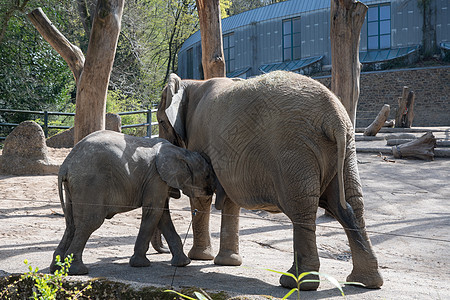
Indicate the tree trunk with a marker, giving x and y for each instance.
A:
(379, 121)
(211, 34)
(405, 112)
(93, 84)
(91, 75)
(346, 19)
(429, 46)
(421, 148)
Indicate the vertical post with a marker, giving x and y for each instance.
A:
(46, 123)
(347, 18)
(149, 121)
(213, 59)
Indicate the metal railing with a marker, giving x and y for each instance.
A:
(46, 126)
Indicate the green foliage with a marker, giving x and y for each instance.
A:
(49, 286)
(299, 280)
(239, 6)
(32, 75)
(117, 102)
(197, 294)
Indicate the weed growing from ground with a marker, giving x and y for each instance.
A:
(48, 286)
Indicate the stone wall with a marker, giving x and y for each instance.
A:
(431, 85)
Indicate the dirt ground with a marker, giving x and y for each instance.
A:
(407, 215)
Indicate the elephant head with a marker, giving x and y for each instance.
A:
(185, 170)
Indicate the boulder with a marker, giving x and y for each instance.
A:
(25, 152)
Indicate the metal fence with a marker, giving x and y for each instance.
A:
(46, 126)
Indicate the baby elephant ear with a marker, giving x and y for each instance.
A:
(172, 167)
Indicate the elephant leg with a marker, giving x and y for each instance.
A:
(63, 246)
(365, 264)
(201, 250)
(83, 230)
(179, 259)
(149, 221)
(229, 236)
(306, 257)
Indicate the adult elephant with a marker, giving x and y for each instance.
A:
(279, 142)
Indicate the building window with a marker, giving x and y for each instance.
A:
(228, 51)
(379, 27)
(190, 64)
(291, 39)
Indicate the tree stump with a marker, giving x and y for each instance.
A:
(379, 121)
(422, 148)
(405, 113)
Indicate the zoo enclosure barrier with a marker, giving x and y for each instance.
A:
(45, 126)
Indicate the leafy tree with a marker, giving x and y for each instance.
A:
(32, 75)
(239, 6)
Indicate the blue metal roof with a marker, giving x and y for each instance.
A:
(238, 73)
(372, 56)
(292, 65)
(445, 45)
(273, 11)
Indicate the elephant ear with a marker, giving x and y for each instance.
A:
(175, 108)
(172, 167)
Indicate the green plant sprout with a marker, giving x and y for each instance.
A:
(299, 281)
(199, 296)
(49, 285)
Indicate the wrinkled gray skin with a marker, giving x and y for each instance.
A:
(108, 173)
(280, 142)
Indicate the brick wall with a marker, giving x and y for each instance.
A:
(431, 86)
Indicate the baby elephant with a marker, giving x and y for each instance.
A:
(108, 173)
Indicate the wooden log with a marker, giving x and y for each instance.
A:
(395, 142)
(422, 148)
(405, 112)
(379, 121)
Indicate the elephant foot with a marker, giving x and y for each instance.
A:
(372, 280)
(197, 253)
(290, 283)
(228, 258)
(77, 268)
(138, 261)
(180, 261)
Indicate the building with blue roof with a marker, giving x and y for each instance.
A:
(295, 35)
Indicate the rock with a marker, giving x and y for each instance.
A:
(25, 152)
(61, 140)
(113, 122)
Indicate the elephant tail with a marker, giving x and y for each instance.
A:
(341, 141)
(66, 204)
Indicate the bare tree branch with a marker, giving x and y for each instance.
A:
(69, 52)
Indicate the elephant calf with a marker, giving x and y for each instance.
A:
(108, 173)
